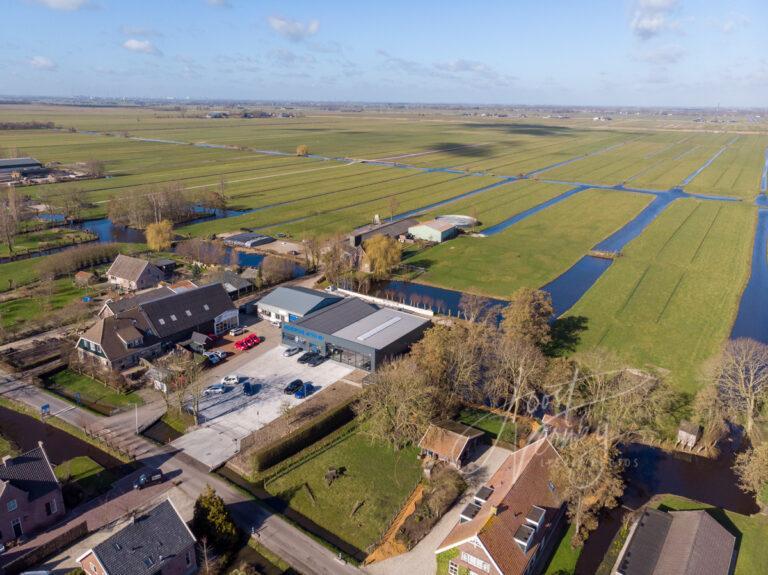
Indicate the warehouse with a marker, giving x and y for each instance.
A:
(289, 303)
(248, 240)
(11, 168)
(392, 229)
(356, 333)
(436, 231)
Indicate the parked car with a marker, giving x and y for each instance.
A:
(291, 351)
(306, 390)
(149, 478)
(250, 388)
(230, 379)
(215, 389)
(213, 358)
(293, 387)
(317, 360)
(248, 342)
(306, 356)
(236, 331)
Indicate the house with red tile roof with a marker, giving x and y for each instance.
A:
(510, 527)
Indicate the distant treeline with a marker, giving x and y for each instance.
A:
(74, 259)
(27, 125)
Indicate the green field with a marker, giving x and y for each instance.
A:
(670, 300)
(67, 383)
(751, 532)
(15, 312)
(376, 478)
(533, 251)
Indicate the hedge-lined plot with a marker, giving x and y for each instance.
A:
(671, 299)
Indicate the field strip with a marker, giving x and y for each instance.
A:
(704, 237)
(503, 225)
(577, 158)
(655, 164)
(631, 294)
(418, 154)
(708, 163)
(671, 295)
(668, 147)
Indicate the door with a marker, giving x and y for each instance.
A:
(17, 530)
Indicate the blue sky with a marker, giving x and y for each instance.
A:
(579, 52)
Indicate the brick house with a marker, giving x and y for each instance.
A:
(512, 523)
(132, 274)
(156, 542)
(30, 495)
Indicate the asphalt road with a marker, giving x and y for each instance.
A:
(298, 549)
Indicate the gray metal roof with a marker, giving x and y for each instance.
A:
(144, 545)
(130, 302)
(647, 542)
(169, 316)
(10, 163)
(30, 472)
(297, 300)
(337, 316)
(383, 327)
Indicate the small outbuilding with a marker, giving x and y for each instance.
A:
(434, 231)
(450, 441)
(85, 278)
(688, 434)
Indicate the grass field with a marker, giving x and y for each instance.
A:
(375, 478)
(533, 251)
(17, 311)
(751, 532)
(68, 383)
(671, 299)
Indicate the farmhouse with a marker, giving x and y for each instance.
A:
(132, 274)
(30, 495)
(115, 306)
(157, 542)
(13, 168)
(392, 229)
(508, 527)
(356, 333)
(680, 542)
(434, 231)
(119, 341)
(290, 303)
(450, 441)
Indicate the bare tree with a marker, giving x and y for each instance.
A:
(517, 370)
(709, 412)
(275, 269)
(751, 467)
(741, 376)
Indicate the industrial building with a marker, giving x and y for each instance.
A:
(289, 303)
(13, 168)
(434, 231)
(248, 240)
(357, 333)
(392, 229)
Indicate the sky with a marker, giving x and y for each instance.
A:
(547, 52)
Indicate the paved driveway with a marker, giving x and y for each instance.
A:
(234, 415)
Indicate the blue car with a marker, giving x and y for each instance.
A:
(305, 391)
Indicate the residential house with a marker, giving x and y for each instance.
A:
(679, 543)
(120, 341)
(514, 520)
(289, 303)
(30, 495)
(436, 231)
(156, 542)
(133, 274)
(450, 442)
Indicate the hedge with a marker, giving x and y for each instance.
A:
(302, 437)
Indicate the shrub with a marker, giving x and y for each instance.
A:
(212, 520)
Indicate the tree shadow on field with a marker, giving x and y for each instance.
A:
(464, 150)
(524, 129)
(566, 335)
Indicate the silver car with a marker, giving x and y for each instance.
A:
(291, 351)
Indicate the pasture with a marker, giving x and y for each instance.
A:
(670, 300)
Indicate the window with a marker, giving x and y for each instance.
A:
(475, 562)
(189, 558)
(50, 507)
(189, 313)
(12, 505)
(161, 321)
(205, 307)
(92, 565)
(453, 569)
(173, 317)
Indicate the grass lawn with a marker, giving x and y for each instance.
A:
(533, 251)
(17, 311)
(178, 420)
(497, 426)
(67, 383)
(565, 557)
(671, 299)
(376, 482)
(751, 529)
(83, 478)
(6, 447)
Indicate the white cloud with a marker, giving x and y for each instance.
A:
(652, 17)
(64, 5)
(293, 29)
(143, 46)
(43, 63)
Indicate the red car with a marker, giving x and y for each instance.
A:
(248, 342)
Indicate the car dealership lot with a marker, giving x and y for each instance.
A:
(234, 414)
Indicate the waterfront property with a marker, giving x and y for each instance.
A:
(119, 341)
(30, 495)
(156, 542)
(130, 273)
(450, 441)
(289, 303)
(356, 333)
(393, 229)
(508, 528)
(681, 542)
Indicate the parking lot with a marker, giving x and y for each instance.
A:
(235, 414)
